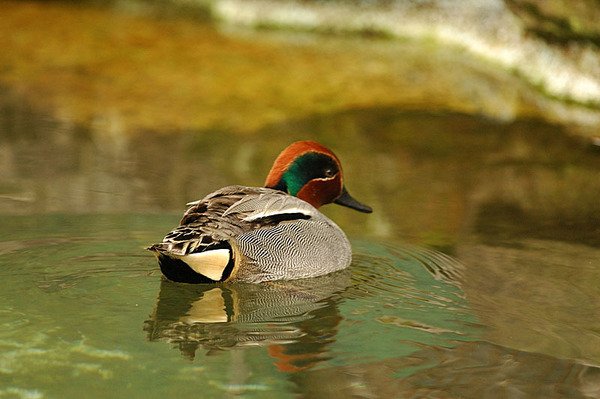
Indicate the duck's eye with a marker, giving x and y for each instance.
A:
(329, 173)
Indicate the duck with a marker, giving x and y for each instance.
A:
(259, 234)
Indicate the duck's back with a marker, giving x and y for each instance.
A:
(270, 236)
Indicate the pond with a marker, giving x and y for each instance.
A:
(476, 275)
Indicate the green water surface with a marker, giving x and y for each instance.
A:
(477, 274)
(84, 309)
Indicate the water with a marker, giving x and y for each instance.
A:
(476, 275)
(85, 310)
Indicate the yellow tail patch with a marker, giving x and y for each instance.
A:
(209, 263)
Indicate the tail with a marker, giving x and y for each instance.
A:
(177, 270)
(157, 248)
(214, 264)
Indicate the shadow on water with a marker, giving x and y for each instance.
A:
(385, 289)
(300, 314)
(386, 307)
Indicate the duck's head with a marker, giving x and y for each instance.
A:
(313, 173)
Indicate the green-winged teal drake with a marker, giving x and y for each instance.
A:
(256, 234)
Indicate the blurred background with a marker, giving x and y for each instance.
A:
(471, 127)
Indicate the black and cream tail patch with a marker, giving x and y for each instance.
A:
(209, 266)
(211, 263)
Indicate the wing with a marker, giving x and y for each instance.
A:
(203, 224)
(269, 205)
(209, 227)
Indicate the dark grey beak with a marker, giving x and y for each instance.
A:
(346, 199)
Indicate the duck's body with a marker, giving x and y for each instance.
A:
(253, 234)
(256, 234)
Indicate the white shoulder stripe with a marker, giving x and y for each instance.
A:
(254, 207)
(274, 212)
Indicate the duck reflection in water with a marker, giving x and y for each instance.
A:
(295, 319)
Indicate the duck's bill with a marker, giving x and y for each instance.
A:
(346, 200)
